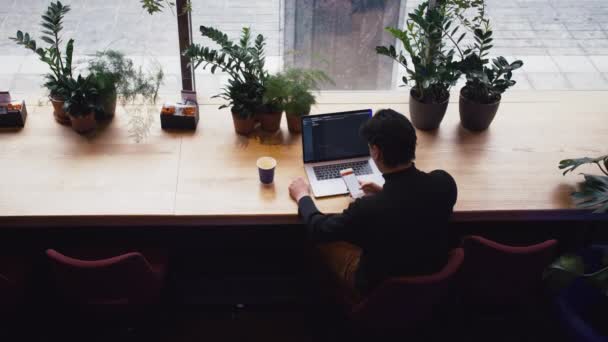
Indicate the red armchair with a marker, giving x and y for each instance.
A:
(127, 279)
(400, 306)
(499, 275)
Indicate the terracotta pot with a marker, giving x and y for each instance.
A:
(270, 122)
(476, 116)
(84, 124)
(243, 126)
(58, 112)
(427, 116)
(294, 123)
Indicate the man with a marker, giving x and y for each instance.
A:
(395, 230)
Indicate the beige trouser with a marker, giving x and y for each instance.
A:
(341, 260)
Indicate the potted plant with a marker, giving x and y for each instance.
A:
(59, 63)
(292, 89)
(109, 69)
(481, 95)
(579, 283)
(244, 63)
(594, 190)
(80, 103)
(432, 70)
(118, 81)
(270, 114)
(275, 93)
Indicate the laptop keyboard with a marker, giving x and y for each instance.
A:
(333, 171)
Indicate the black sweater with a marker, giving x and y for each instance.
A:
(402, 230)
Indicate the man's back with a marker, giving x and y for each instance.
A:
(404, 229)
(401, 230)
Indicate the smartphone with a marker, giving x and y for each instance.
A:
(352, 184)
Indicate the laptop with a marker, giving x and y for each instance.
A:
(331, 143)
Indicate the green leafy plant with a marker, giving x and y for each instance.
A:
(109, 68)
(243, 62)
(144, 86)
(567, 268)
(136, 90)
(154, 6)
(486, 81)
(292, 89)
(59, 63)
(432, 70)
(82, 96)
(116, 74)
(593, 193)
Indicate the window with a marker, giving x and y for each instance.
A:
(564, 44)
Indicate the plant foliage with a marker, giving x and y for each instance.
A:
(568, 267)
(593, 193)
(59, 63)
(82, 96)
(115, 74)
(569, 165)
(486, 80)
(432, 70)
(292, 89)
(243, 61)
(155, 6)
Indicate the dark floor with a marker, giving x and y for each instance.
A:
(212, 271)
(264, 324)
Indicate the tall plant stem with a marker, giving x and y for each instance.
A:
(453, 42)
(58, 52)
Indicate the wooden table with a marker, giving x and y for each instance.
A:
(50, 176)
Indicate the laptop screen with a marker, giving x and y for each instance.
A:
(334, 136)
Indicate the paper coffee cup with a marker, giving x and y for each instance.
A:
(266, 166)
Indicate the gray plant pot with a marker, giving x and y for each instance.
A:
(475, 116)
(427, 116)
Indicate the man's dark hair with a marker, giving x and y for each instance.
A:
(394, 135)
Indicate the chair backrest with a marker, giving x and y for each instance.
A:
(497, 274)
(124, 279)
(401, 304)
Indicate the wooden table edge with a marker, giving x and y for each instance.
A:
(179, 221)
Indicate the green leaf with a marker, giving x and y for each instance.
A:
(69, 50)
(461, 38)
(569, 165)
(593, 194)
(48, 40)
(518, 64)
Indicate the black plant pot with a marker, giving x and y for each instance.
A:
(427, 116)
(476, 116)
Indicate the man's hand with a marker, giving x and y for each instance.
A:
(299, 188)
(370, 188)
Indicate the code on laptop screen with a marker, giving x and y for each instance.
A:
(334, 136)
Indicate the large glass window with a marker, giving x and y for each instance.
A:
(564, 44)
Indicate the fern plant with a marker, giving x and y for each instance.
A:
(59, 63)
(243, 62)
(432, 70)
(593, 193)
(292, 89)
